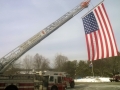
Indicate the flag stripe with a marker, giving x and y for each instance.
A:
(102, 47)
(88, 48)
(90, 54)
(109, 44)
(115, 49)
(105, 33)
(92, 42)
(89, 41)
(101, 33)
(97, 46)
(108, 32)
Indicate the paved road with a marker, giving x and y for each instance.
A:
(97, 86)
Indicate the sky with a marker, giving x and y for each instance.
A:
(21, 19)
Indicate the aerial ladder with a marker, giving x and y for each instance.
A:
(12, 56)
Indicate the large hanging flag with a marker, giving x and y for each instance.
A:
(99, 35)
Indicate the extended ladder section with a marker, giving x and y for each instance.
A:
(8, 59)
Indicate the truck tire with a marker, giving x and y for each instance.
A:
(111, 80)
(72, 84)
(11, 87)
(116, 80)
(54, 88)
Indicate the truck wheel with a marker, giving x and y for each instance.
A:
(72, 84)
(11, 87)
(54, 88)
(116, 80)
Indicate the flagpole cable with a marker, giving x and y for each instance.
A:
(92, 4)
(88, 8)
(92, 9)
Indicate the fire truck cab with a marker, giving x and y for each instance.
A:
(54, 82)
(59, 80)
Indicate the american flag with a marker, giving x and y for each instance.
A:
(99, 35)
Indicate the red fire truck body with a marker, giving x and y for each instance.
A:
(20, 82)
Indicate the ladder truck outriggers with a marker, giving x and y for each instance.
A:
(31, 82)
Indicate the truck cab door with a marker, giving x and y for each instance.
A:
(61, 85)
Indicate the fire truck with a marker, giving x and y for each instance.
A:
(31, 82)
(115, 78)
(67, 80)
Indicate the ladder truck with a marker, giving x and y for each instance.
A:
(29, 82)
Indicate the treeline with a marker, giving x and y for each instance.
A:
(76, 68)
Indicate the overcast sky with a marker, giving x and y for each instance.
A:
(21, 19)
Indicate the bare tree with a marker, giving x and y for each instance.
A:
(40, 62)
(37, 61)
(70, 67)
(45, 64)
(14, 68)
(59, 62)
(27, 63)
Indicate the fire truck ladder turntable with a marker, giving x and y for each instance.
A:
(12, 56)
